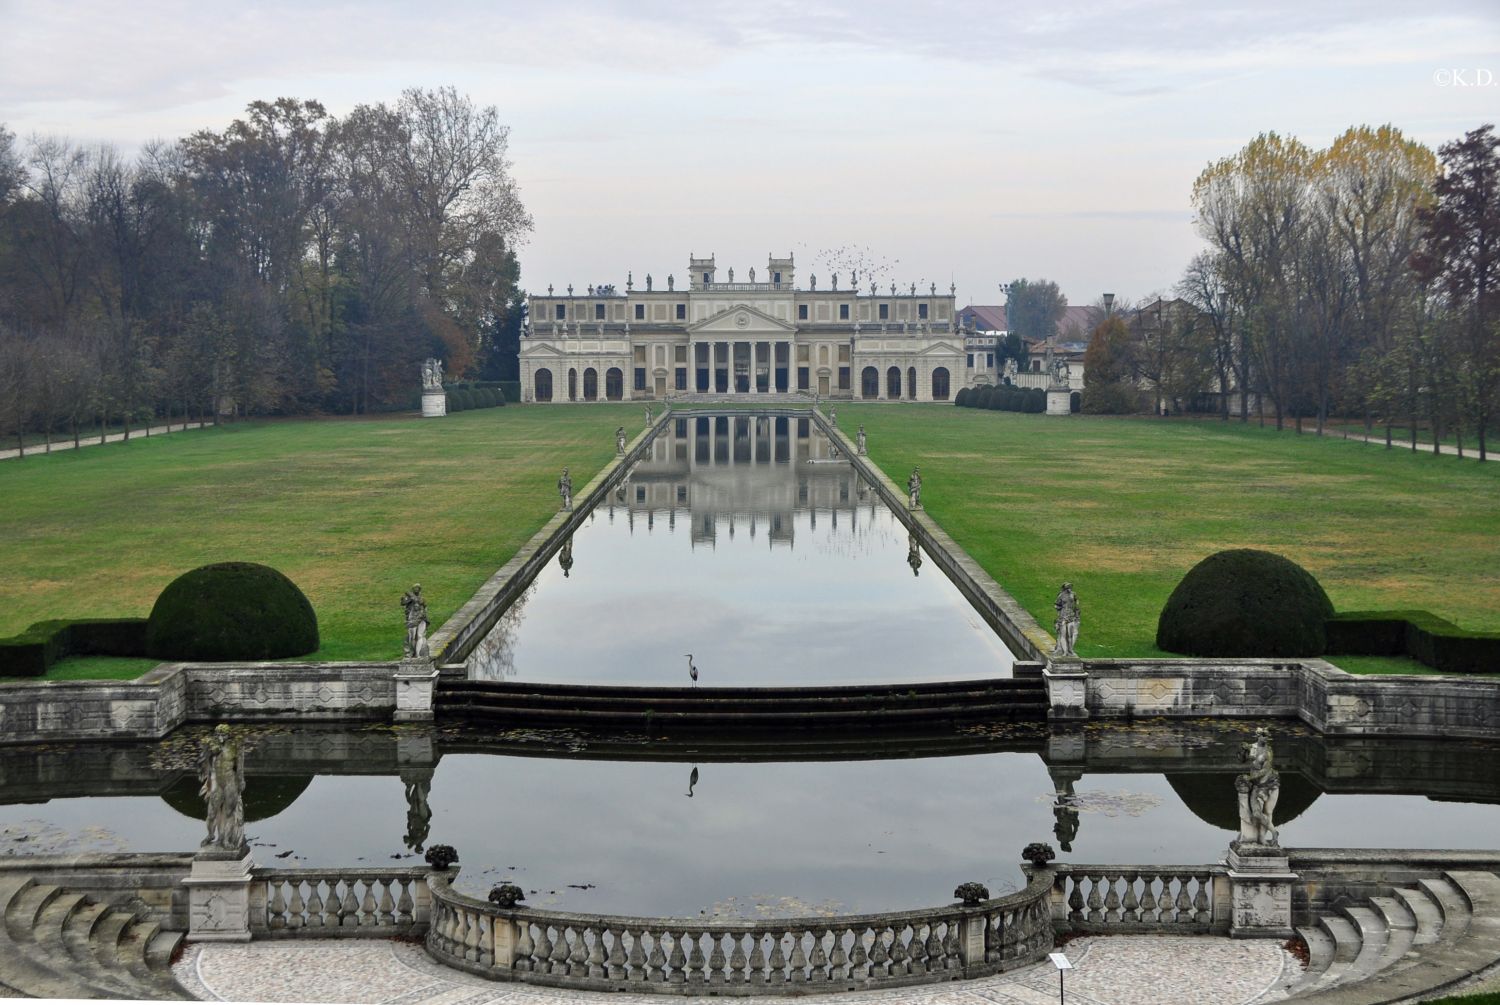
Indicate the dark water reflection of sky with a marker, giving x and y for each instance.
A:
(768, 572)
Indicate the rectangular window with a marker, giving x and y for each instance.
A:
(843, 354)
(804, 354)
(922, 312)
(640, 378)
(801, 312)
(971, 361)
(682, 312)
(562, 312)
(598, 312)
(640, 312)
(989, 360)
(679, 354)
(843, 378)
(682, 378)
(843, 312)
(706, 280)
(776, 278)
(640, 355)
(885, 312)
(802, 378)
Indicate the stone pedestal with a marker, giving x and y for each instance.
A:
(416, 681)
(1067, 689)
(1260, 881)
(1059, 401)
(434, 404)
(219, 896)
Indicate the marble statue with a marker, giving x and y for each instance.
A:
(859, 441)
(835, 280)
(629, 281)
(1059, 372)
(1011, 366)
(570, 289)
(432, 375)
(1258, 789)
(221, 772)
(648, 416)
(833, 417)
(914, 489)
(565, 489)
(416, 624)
(812, 281)
(1066, 626)
(752, 273)
(620, 440)
(671, 282)
(731, 273)
(648, 282)
(913, 289)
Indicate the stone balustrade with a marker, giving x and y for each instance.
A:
(1113, 898)
(770, 956)
(326, 903)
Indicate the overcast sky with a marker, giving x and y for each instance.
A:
(954, 142)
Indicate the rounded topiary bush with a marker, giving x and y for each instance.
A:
(961, 399)
(1245, 602)
(231, 611)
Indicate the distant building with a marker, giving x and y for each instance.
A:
(757, 336)
(989, 326)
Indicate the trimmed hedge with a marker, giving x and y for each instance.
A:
(231, 611)
(1248, 603)
(32, 652)
(1421, 635)
(476, 394)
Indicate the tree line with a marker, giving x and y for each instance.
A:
(1357, 281)
(292, 262)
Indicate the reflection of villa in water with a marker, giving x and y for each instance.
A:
(741, 473)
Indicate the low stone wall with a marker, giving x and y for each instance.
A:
(151, 881)
(174, 694)
(1002, 612)
(1312, 691)
(460, 634)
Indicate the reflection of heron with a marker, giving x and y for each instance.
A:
(692, 670)
(692, 780)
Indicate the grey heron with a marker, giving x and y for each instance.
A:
(692, 670)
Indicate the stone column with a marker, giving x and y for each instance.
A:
(713, 367)
(754, 362)
(729, 370)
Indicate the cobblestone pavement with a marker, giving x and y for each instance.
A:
(1116, 970)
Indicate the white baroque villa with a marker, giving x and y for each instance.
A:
(752, 337)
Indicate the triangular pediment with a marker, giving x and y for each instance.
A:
(739, 318)
(540, 349)
(943, 348)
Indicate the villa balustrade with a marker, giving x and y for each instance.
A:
(323, 903)
(771, 956)
(1132, 898)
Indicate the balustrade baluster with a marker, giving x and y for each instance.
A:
(817, 960)
(615, 961)
(543, 955)
(367, 915)
(524, 948)
(899, 955)
(917, 948)
(1132, 903)
(591, 948)
(677, 960)
(1111, 898)
(859, 956)
(315, 904)
(737, 960)
(657, 960)
(473, 943)
(578, 953)
(797, 965)
(295, 906)
(696, 960)
(1149, 912)
(405, 906)
(276, 906)
(1096, 900)
(716, 958)
(349, 907)
(1184, 902)
(558, 961)
(1203, 903)
(880, 960)
(837, 958)
(777, 974)
(757, 974)
(635, 962)
(386, 907)
(952, 952)
(1075, 899)
(1010, 936)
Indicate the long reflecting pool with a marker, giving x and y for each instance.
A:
(621, 824)
(746, 542)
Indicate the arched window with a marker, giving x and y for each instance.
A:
(940, 384)
(869, 382)
(544, 385)
(893, 382)
(591, 384)
(911, 383)
(614, 384)
(572, 384)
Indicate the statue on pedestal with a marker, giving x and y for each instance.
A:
(648, 416)
(1059, 372)
(914, 489)
(432, 375)
(221, 771)
(1066, 626)
(416, 624)
(833, 417)
(620, 440)
(859, 441)
(1258, 790)
(565, 489)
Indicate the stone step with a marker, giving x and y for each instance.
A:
(42, 968)
(21, 911)
(77, 936)
(1373, 936)
(160, 951)
(131, 949)
(1425, 909)
(1345, 937)
(105, 938)
(1400, 926)
(1319, 956)
(1453, 905)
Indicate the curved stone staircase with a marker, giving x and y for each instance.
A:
(56, 943)
(1417, 941)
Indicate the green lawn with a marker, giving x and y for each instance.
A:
(354, 511)
(1124, 507)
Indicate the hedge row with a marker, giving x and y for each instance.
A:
(462, 399)
(44, 643)
(1003, 398)
(1421, 635)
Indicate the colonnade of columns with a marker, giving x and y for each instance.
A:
(725, 361)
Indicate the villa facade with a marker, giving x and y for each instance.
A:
(758, 336)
